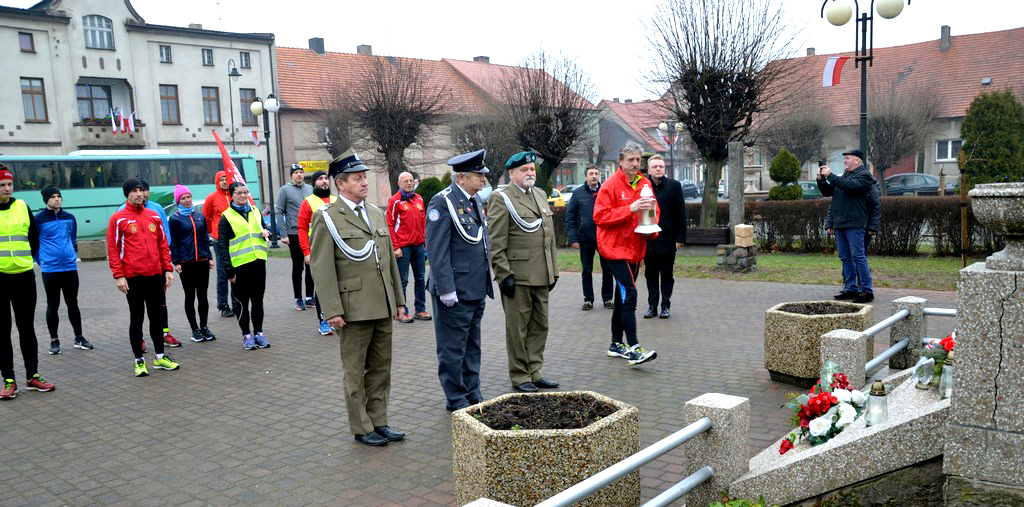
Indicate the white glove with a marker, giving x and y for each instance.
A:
(450, 299)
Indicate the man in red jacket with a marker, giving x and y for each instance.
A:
(213, 206)
(616, 217)
(140, 261)
(407, 222)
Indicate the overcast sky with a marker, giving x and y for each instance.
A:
(607, 37)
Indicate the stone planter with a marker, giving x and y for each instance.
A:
(792, 341)
(524, 467)
(1000, 207)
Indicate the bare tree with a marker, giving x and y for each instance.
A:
(713, 57)
(901, 122)
(546, 104)
(488, 132)
(802, 130)
(334, 122)
(392, 106)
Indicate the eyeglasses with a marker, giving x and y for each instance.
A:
(241, 192)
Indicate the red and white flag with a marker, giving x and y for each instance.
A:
(255, 138)
(230, 169)
(124, 123)
(113, 122)
(131, 122)
(833, 69)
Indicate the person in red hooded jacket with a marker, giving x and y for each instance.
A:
(140, 261)
(213, 206)
(616, 217)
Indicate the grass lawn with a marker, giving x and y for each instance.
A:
(923, 272)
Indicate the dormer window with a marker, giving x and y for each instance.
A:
(99, 32)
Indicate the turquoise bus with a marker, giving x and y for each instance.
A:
(90, 181)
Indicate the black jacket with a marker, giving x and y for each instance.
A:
(850, 193)
(579, 217)
(669, 194)
(189, 237)
(874, 203)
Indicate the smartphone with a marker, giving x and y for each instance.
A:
(821, 163)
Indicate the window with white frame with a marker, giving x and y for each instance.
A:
(207, 56)
(165, 54)
(99, 32)
(243, 60)
(947, 149)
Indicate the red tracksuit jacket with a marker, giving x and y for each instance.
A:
(136, 245)
(407, 220)
(615, 222)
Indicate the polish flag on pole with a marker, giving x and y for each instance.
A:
(113, 122)
(124, 123)
(230, 169)
(833, 69)
(255, 138)
(131, 122)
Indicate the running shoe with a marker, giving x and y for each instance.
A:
(226, 312)
(208, 334)
(82, 343)
(38, 383)
(261, 340)
(54, 347)
(423, 316)
(325, 328)
(640, 355)
(198, 336)
(10, 390)
(618, 349)
(171, 341)
(140, 368)
(165, 363)
(300, 305)
(248, 342)
(310, 302)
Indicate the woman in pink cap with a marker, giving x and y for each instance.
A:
(190, 253)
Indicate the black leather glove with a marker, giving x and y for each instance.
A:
(508, 287)
(552, 286)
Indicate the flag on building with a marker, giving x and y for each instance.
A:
(833, 69)
(255, 138)
(131, 122)
(230, 169)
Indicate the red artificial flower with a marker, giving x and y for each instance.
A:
(948, 343)
(839, 381)
(820, 404)
(785, 447)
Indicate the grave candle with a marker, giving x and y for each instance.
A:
(946, 382)
(876, 410)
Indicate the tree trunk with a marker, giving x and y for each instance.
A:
(395, 167)
(709, 204)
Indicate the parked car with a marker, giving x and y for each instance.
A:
(690, 189)
(912, 184)
(567, 192)
(556, 200)
(721, 188)
(810, 189)
(485, 193)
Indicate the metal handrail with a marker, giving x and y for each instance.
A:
(940, 312)
(615, 472)
(892, 319)
(702, 475)
(889, 352)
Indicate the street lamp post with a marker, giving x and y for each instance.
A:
(233, 76)
(838, 14)
(260, 107)
(670, 131)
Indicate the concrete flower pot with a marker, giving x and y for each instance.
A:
(792, 341)
(524, 467)
(1000, 207)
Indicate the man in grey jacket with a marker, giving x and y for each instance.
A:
(289, 198)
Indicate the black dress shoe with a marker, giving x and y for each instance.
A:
(224, 312)
(545, 383)
(388, 433)
(864, 297)
(665, 313)
(526, 387)
(587, 306)
(372, 438)
(842, 296)
(651, 312)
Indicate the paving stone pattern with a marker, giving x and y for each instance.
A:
(268, 427)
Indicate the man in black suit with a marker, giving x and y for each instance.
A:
(579, 221)
(460, 277)
(661, 251)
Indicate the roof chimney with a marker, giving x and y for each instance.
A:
(195, 26)
(944, 40)
(364, 49)
(628, 101)
(615, 99)
(317, 45)
(482, 59)
(810, 51)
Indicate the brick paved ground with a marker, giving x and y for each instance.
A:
(268, 427)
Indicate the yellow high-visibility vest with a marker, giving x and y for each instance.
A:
(15, 250)
(314, 204)
(248, 244)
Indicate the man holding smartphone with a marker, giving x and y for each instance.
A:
(850, 213)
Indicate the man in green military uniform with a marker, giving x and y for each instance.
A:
(522, 234)
(360, 292)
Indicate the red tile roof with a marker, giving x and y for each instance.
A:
(638, 116)
(487, 77)
(303, 76)
(954, 75)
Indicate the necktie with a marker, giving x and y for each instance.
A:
(476, 211)
(359, 213)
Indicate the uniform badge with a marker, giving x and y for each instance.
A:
(419, 206)
(434, 215)
(133, 229)
(152, 228)
(462, 211)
